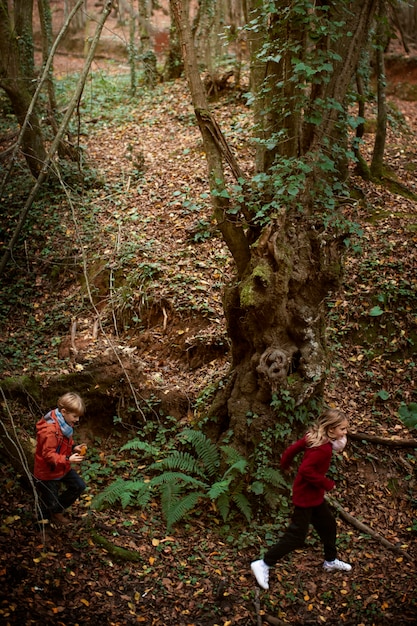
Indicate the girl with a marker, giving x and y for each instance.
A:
(328, 433)
(55, 451)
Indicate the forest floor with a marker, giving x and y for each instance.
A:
(199, 573)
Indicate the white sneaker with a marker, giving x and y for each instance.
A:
(261, 572)
(331, 566)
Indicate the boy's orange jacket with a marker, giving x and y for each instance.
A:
(52, 449)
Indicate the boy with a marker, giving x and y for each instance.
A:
(55, 451)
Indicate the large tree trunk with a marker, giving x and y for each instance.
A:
(276, 322)
(285, 270)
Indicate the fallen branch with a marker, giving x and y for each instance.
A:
(257, 604)
(363, 528)
(275, 621)
(116, 551)
(394, 442)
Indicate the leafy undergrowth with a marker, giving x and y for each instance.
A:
(199, 573)
(144, 220)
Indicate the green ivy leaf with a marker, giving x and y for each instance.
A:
(376, 311)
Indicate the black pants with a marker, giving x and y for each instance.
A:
(52, 501)
(323, 522)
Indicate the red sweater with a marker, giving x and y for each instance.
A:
(52, 449)
(311, 481)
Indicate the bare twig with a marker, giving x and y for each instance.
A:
(164, 313)
(73, 335)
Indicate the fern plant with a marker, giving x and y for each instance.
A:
(196, 470)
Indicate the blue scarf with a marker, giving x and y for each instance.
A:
(66, 429)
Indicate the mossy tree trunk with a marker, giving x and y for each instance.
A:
(287, 237)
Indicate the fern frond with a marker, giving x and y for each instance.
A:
(232, 455)
(143, 496)
(223, 505)
(275, 499)
(219, 488)
(109, 495)
(136, 492)
(137, 444)
(206, 450)
(179, 509)
(177, 477)
(274, 477)
(182, 461)
(243, 505)
(240, 466)
(170, 494)
(120, 489)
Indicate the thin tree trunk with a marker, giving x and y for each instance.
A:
(258, 68)
(377, 164)
(174, 64)
(45, 19)
(348, 48)
(361, 167)
(215, 145)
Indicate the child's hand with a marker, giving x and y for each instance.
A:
(76, 458)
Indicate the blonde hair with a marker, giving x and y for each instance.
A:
(72, 402)
(318, 432)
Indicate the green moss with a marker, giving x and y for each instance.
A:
(19, 383)
(116, 551)
(263, 274)
(255, 285)
(247, 296)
